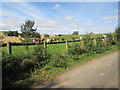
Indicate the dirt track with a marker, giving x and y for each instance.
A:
(99, 73)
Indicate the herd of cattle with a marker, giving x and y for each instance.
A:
(38, 40)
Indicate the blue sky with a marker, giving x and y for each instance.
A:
(61, 17)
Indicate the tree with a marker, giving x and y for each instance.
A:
(12, 33)
(28, 31)
(75, 33)
(91, 33)
(15, 33)
(46, 35)
(37, 35)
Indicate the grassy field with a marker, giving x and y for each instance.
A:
(52, 48)
(69, 37)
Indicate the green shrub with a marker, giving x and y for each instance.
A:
(58, 61)
(117, 34)
(41, 55)
(89, 44)
(76, 49)
(10, 66)
(12, 70)
(27, 65)
(100, 46)
(111, 39)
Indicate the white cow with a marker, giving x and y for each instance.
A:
(80, 38)
(104, 36)
(49, 40)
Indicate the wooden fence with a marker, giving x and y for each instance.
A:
(9, 44)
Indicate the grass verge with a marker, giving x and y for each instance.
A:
(48, 73)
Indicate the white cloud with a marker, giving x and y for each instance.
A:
(10, 24)
(23, 10)
(117, 11)
(68, 18)
(109, 19)
(17, 13)
(56, 6)
(49, 23)
(51, 26)
(12, 14)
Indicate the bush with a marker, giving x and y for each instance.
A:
(117, 33)
(111, 39)
(58, 61)
(27, 65)
(76, 49)
(41, 55)
(14, 68)
(89, 44)
(100, 46)
(10, 66)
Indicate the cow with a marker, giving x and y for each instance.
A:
(63, 39)
(80, 38)
(55, 39)
(75, 38)
(38, 40)
(49, 40)
(104, 36)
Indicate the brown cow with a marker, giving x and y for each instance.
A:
(38, 40)
(55, 39)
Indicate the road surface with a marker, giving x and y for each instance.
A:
(101, 72)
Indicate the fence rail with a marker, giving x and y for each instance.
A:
(20, 44)
(9, 44)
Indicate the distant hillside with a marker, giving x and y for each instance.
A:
(5, 39)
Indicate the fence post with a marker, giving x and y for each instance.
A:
(9, 47)
(45, 45)
(95, 41)
(106, 40)
(113, 36)
(66, 44)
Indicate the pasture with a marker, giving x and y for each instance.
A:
(69, 37)
(51, 48)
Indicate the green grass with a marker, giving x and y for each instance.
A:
(52, 48)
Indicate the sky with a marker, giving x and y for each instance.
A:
(61, 17)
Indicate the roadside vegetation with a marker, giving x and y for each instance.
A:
(27, 68)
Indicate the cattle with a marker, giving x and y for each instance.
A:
(49, 40)
(80, 38)
(55, 39)
(38, 40)
(63, 39)
(75, 38)
(104, 36)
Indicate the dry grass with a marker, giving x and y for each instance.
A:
(11, 39)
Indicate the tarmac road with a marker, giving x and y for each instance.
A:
(101, 72)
